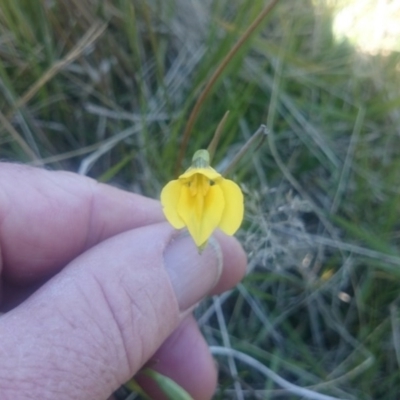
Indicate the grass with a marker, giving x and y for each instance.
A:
(105, 88)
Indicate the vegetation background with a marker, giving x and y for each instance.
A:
(104, 88)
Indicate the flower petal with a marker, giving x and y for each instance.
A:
(201, 226)
(209, 172)
(233, 211)
(169, 199)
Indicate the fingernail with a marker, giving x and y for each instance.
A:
(192, 275)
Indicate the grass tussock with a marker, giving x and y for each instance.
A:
(105, 88)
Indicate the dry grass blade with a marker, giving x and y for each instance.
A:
(260, 132)
(338, 244)
(227, 344)
(105, 147)
(215, 76)
(395, 322)
(348, 161)
(19, 139)
(66, 156)
(290, 387)
(89, 38)
(217, 135)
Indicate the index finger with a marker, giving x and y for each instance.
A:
(47, 218)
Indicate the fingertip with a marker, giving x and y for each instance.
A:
(234, 262)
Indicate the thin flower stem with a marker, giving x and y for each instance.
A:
(213, 79)
(217, 135)
(261, 131)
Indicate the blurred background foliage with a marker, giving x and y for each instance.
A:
(104, 88)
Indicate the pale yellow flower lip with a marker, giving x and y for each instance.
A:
(209, 172)
(202, 200)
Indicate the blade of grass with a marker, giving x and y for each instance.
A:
(192, 118)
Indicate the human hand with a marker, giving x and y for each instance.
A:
(95, 285)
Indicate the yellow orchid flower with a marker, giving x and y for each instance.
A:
(203, 200)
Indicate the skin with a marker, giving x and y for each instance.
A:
(91, 291)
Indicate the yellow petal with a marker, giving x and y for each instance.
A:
(201, 225)
(169, 199)
(233, 212)
(209, 172)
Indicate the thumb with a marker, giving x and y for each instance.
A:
(93, 326)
